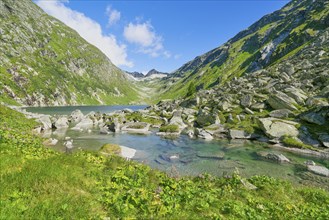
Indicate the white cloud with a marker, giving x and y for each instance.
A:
(114, 15)
(167, 54)
(144, 35)
(177, 56)
(89, 29)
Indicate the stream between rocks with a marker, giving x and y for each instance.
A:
(186, 156)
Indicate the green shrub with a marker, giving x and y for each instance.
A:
(292, 142)
(111, 149)
(136, 126)
(169, 128)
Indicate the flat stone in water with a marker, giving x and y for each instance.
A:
(211, 155)
(320, 170)
(161, 161)
(274, 157)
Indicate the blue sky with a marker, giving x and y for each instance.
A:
(142, 35)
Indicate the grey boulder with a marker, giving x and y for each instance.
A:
(320, 170)
(76, 116)
(281, 113)
(62, 122)
(276, 128)
(279, 100)
(314, 118)
(274, 157)
(239, 134)
(45, 121)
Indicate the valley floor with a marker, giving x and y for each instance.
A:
(39, 183)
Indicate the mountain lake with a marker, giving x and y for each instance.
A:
(186, 156)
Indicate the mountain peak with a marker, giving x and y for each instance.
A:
(155, 72)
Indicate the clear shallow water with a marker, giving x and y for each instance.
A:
(154, 151)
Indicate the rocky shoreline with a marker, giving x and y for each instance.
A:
(185, 121)
(146, 121)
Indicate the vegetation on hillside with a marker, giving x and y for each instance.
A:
(269, 41)
(44, 62)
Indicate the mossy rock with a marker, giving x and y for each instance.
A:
(110, 149)
(169, 128)
(294, 142)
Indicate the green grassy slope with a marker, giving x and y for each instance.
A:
(44, 62)
(39, 183)
(271, 40)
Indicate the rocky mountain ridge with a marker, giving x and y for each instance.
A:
(153, 73)
(285, 101)
(272, 39)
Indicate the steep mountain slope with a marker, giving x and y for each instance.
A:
(278, 91)
(44, 62)
(271, 40)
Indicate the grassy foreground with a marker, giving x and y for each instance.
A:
(38, 183)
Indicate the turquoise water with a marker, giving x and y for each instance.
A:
(155, 151)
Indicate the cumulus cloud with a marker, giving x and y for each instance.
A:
(114, 15)
(144, 35)
(89, 29)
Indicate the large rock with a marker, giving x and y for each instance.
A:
(104, 130)
(176, 119)
(189, 112)
(137, 127)
(60, 133)
(224, 106)
(276, 128)
(246, 100)
(76, 116)
(205, 118)
(239, 134)
(62, 122)
(324, 138)
(68, 146)
(200, 133)
(190, 103)
(45, 121)
(320, 170)
(258, 106)
(281, 113)
(274, 157)
(84, 124)
(313, 118)
(280, 100)
(297, 94)
(114, 126)
(249, 111)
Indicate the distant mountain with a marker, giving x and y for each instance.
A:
(150, 75)
(44, 62)
(156, 74)
(136, 74)
(271, 40)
